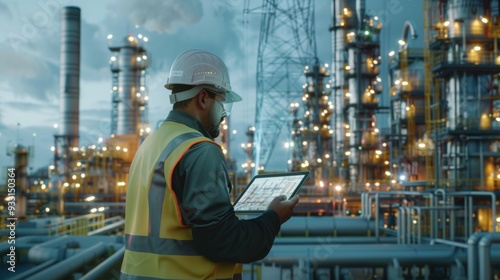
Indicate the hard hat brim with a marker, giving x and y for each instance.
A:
(232, 97)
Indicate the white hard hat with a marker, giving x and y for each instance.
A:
(198, 67)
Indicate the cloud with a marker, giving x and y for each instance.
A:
(5, 12)
(161, 16)
(94, 50)
(22, 105)
(29, 75)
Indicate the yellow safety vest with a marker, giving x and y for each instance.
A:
(158, 244)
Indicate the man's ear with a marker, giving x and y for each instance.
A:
(201, 99)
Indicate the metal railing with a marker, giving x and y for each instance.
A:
(80, 225)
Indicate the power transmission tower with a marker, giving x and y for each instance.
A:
(286, 45)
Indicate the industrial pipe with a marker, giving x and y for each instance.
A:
(472, 255)
(325, 255)
(477, 193)
(50, 250)
(326, 226)
(69, 265)
(484, 255)
(29, 272)
(103, 268)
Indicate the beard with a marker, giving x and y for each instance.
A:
(214, 126)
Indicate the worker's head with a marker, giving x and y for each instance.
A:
(200, 84)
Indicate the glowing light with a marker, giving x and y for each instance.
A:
(90, 198)
(402, 42)
(391, 53)
(110, 36)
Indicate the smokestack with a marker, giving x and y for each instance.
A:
(69, 83)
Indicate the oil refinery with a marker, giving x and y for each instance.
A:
(413, 198)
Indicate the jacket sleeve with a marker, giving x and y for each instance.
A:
(206, 206)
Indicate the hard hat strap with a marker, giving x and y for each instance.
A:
(185, 95)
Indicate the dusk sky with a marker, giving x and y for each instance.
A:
(29, 57)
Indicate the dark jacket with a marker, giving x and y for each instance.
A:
(202, 186)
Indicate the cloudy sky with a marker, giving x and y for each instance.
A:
(29, 57)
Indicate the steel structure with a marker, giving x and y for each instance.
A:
(407, 121)
(359, 163)
(312, 133)
(462, 97)
(286, 44)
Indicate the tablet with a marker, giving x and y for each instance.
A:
(262, 189)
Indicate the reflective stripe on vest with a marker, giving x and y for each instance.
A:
(158, 244)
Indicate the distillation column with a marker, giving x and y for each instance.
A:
(312, 132)
(356, 57)
(338, 87)
(128, 65)
(465, 72)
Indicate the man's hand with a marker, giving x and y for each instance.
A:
(283, 207)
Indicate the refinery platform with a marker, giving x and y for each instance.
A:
(416, 198)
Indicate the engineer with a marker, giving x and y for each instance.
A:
(180, 223)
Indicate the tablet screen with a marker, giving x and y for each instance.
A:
(264, 188)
